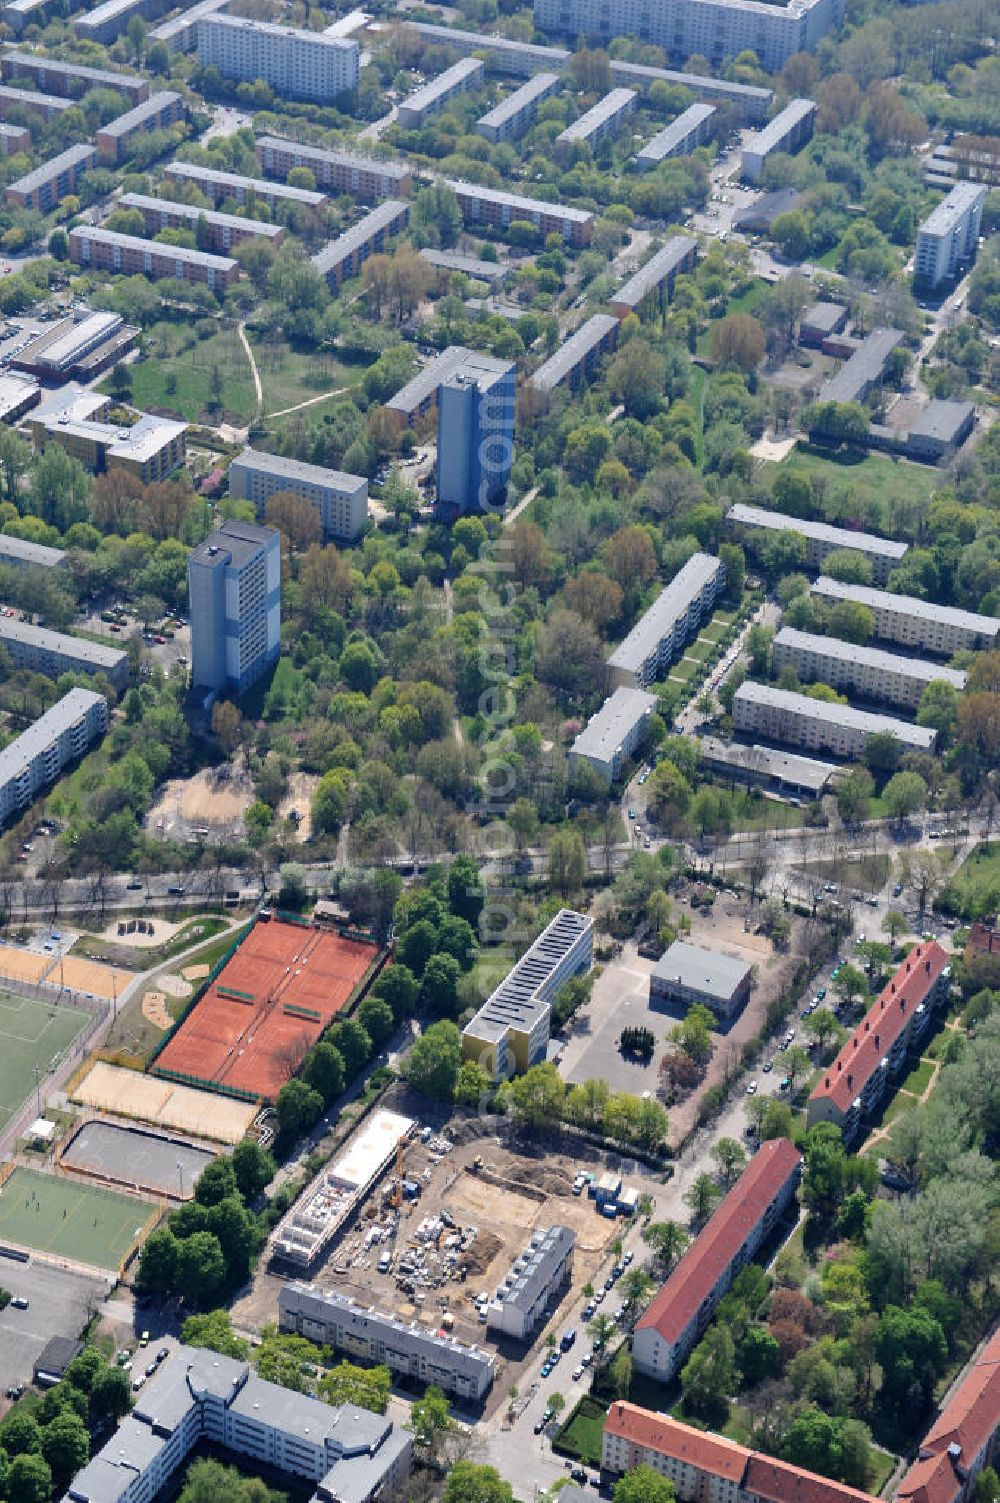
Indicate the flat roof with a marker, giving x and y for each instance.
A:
(784, 767)
(701, 83)
(963, 197)
(619, 714)
(349, 159)
(475, 41)
(535, 88)
(656, 270)
(942, 420)
(367, 1150)
(232, 543)
(826, 317)
(558, 366)
(869, 657)
(385, 215)
(73, 156)
(106, 77)
(101, 236)
(822, 532)
(517, 201)
(170, 29)
(195, 173)
(701, 970)
(284, 33)
(33, 98)
(865, 366)
(80, 339)
(804, 706)
(906, 605)
(455, 360)
(430, 92)
(14, 390)
(81, 648)
(524, 990)
(671, 603)
(18, 755)
(774, 132)
(143, 201)
(39, 554)
(673, 135)
(483, 271)
(614, 103)
(122, 124)
(533, 1272)
(297, 469)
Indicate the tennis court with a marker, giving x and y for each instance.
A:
(34, 1036)
(57, 1214)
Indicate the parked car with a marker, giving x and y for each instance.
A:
(19, 1302)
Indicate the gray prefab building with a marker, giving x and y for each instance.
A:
(578, 356)
(883, 677)
(652, 285)
(692, 128)
(786, 132)
(53, 653)
(18, 553)
(604, 118)
(821, 539)
(503, 54)
(35, 759)
(671, 621)
(912, 622)
(234, 590)
(460, 78)
(948, 239)
(687, 974)
(800, 720)
(296, 64)
(619, 729)
(513, 115)
(750, 102)
(340, 499)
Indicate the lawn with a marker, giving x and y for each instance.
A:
(291, 376)
(60, 1214)
(764, 813)
(974, 890)
(700, 650)
(581, 1436)
(714, 631)
(33, 1034)
(919, 1078)
(871, 478)
(867, 873)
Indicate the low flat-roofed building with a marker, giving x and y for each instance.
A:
(749, 101)
(31, 102)
(54, 1358)
(605, 118)
(686, 974)
(619, 728)
(788, 131)
(497, 209)
(131, 255)
(18, 553)
(876, 675)
(217, 232)
(854, 1086)
(415, 1351)
(864, 370)
(820, 321)
(503, 54)
(493, 272)
(367, 179)
(158, 112)
(692, 128)
(220, 186)
(940, 429)
(340, 499)
(35, 759)
(665, 1334)
(345, 256)
(432, 97)
(651, 287)
(18, 394)
(510, 1032)
(939, 629)
(513, 115)
(44, 187)
(577, 357)
(784, 772)
(884, 554)
(671, 621)
(800, 720)
(75, 346)
(53, 653)
(538, 1276)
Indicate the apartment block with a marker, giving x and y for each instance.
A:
(475, 439)
(345, 256)
(34, 760)
(687, 974)
(432, 97)
(948, 239)
(881, 677)
(716, 29)
(234, 593)
(130, 255)
(349, 1454)
(368, 1335)
(341, 500)
(222, 186)
(54, 653)
(605, 118)
(495, 209)
(665, 1335)
(296, 64)
(43, 188)
(692, 128)
(855, 1084)
(20, 14)
(69, 80)
(671, 621)
(912, 622)
(367, 179)
(216, 232)
(180, 34)
(17, 102)
(533, 1286)
(103, 23)
(116, 139)
(799, 720)
(962, 1440)
(150, 448)
(18, 553)
(615, 733)
(650, 289)
(510, 1032)
(707, 1468)
(503, 55)
(884, 554)
(14, 139)
(747, 100)
(576, 360)
(788, 131)
(516, 114)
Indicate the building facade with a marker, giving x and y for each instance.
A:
(368, 179)
(216, 232)
(103, 23)
(295, 64)
(180, 34)
(68, 79)
(234, 590)
(912, 622)
(34, 760)
(605, 118)
(475, 450)
(692, 128)
(132, 256)
(221, 186)
(492, 208)
(340, 499)
(461, 78)
(948, 239)
(650, 289)
(18, 102)
(687, 974)
(815, 725)
(615, 733)
(788, 131)
(515, 114)
(150, 448)
(503, 54)
(882, 677)
(665, 1335)
(43, 188)
(345, 256)
(579, 355)
(536, 1280)
(53, 653)
(671, 621)
(884, 554)
(116, 139)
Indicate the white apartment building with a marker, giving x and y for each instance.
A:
(234, 590)
(948, 239)
(543, 1270)
(716, 29)
(799, 720)
(340, 499)
(611, 736)
(788, 131)
(692, 128)
(873, 674)
(296, 64)
(369, 1335)
(513, 115)
(912, 622)
(605, 118)
(671, 621)
(821, 539)
(35, 759)
(53, 653)
(467, 74)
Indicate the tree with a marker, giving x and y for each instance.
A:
(214, 1330)
(911, 1350)
(29, 1480)
(823, 1026)
(702, 1197)
(854, 793)
(439, 987)
(730, 1158)
(158, 1263)
(398, 986)
(66, 1446)
(759, 1354)
(904, 794)
(643, 1485)
(850, 985)
(470, 1482)
(323, 1068)
(895, 924)
(430, 1419)
(216, 1181)
(693, 1034)
(201, 1266)
(21, 1434)
(709, 1376)
(466, 891)
(111, 1394)
(883, 749)
(297, 1105)
(569, 655)
(375, 1016)
(737, 340)
(367, 1387)
(852, 623)
(668, 1239)
(536, 1097)
(636, 377)
(433, 1063)
(567, 862)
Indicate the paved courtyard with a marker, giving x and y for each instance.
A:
(60, 1304)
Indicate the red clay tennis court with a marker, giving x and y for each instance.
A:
(282, 987)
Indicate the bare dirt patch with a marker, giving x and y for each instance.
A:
(301, 787)
(201, 801)
(154, 1008)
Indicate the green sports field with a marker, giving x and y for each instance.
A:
(33, 1035)
(61, 1215)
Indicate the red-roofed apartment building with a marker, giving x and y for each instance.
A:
(706, 1468)
(899, 1017)
(963, 1438)
(683, 1307)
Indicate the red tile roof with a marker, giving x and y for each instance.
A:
(885, 1020)
(930, 1480)
(697, 1273)
(668, 1437)
(969, 1421)
(780, 1482)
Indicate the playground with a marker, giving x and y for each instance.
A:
(58, 1215)
(283, 985)
(34, 1037)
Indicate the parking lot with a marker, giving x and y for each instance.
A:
(60, 1302)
